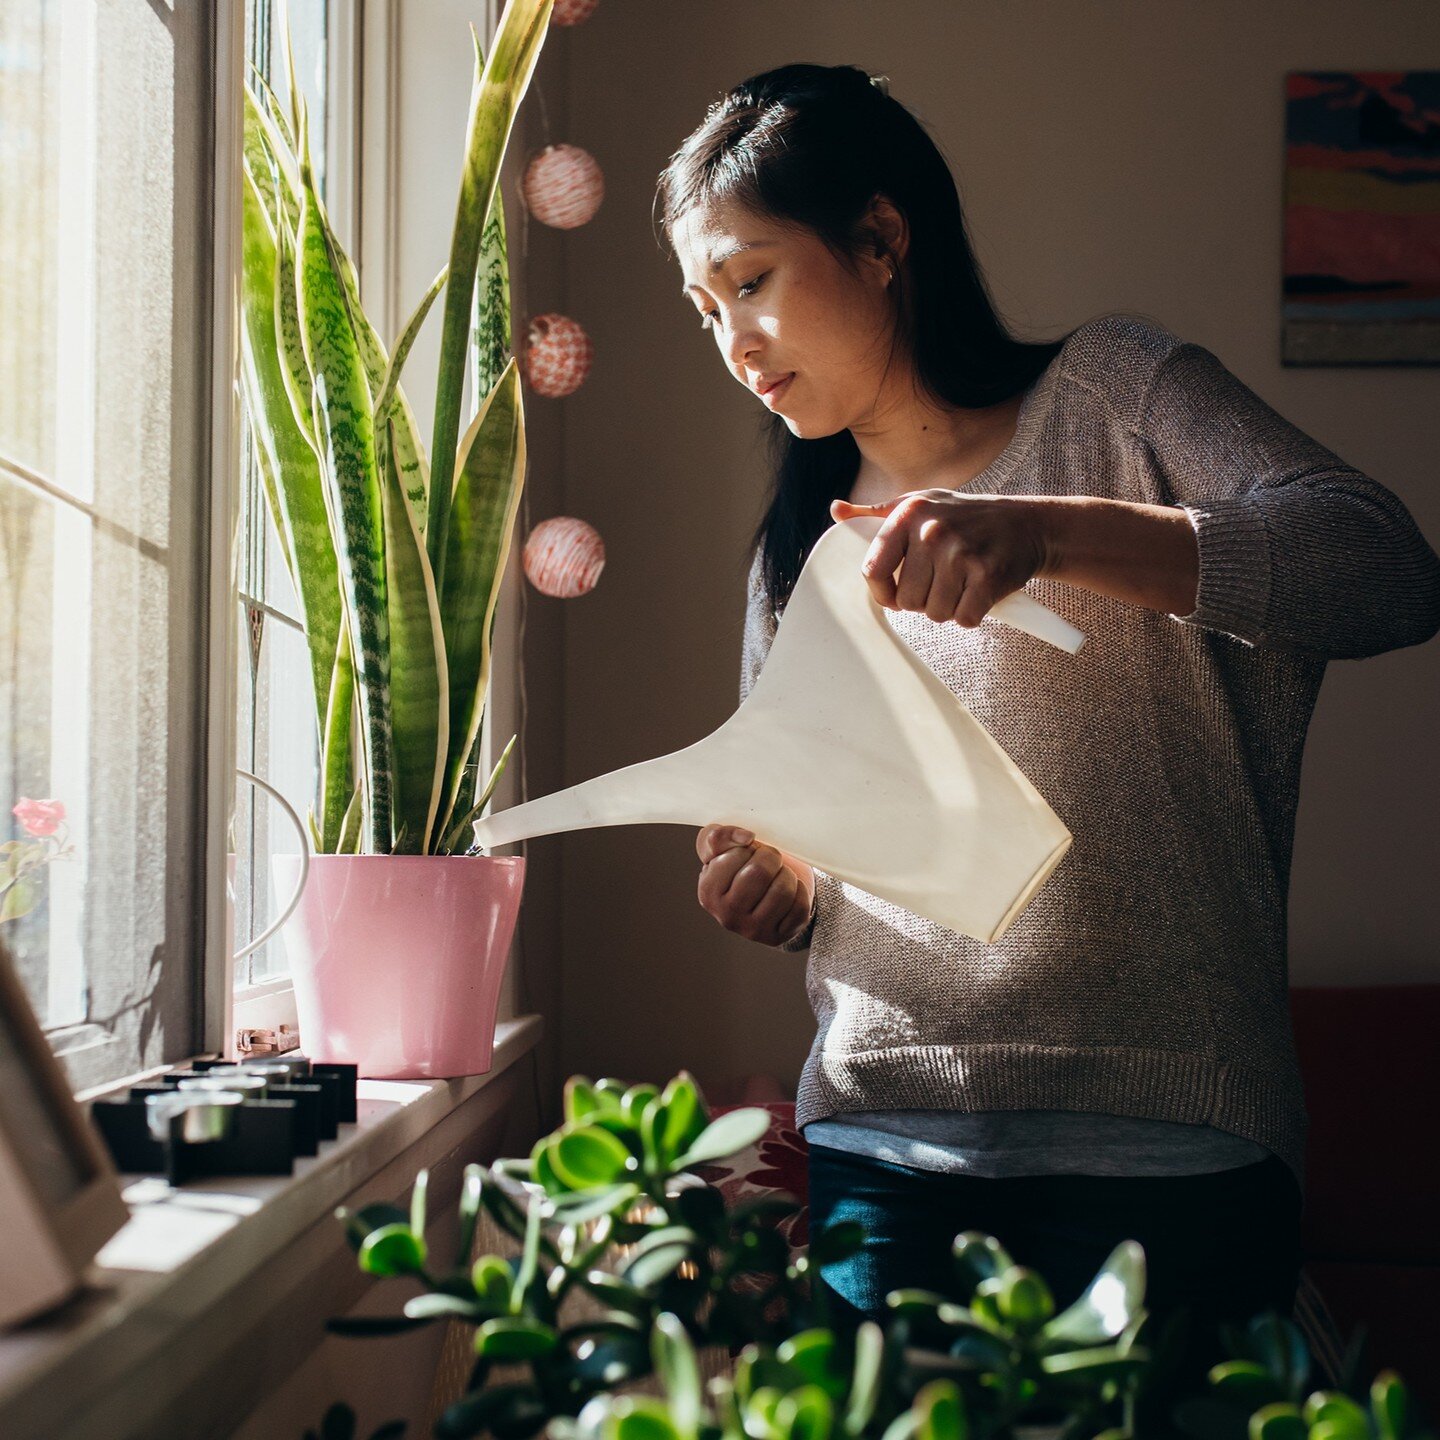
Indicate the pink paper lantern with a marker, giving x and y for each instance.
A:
(563, 186)
(558, 353)
(564, 557)
(572, 12)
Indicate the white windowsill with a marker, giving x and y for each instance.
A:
(185, 1252)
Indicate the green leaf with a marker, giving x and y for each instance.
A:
(579, 1098)
(942, 1412)
(294, 489)
(338, 790)
(529, 1259)
(348, 842)
(391, 407)
(1109, 1302)
(19, 899)
(343, 428)
(1389, 1401)
(805, 1414)
(480, 528)
(499, 87)
(360, 1223)
(437, 1306)
(514, 1337)
(1025, 1299)
(685, 1113)
(542, 1163)
(648, 1270)
(392, 1250)
(634, 1101)
(1346, 1419)
(837, 1242)
(492, 1280)
(812, 1354)
(490, 317)
(417, 1202)
(724, 1136)
(678, 1368)
(587, 1205)
(911, 1302)
(1244, 1382)
(470, 1187)
(506, 1411)
(866, 1379)
(589, 1156)
(1100, 1361)
(634, 1417)
(979, 1257)
(615, 1292)
(1278, 1422)
(419, 678)
(456, 839)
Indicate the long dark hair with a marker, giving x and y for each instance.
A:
(814, 145)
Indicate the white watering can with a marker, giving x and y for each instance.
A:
(850, 754)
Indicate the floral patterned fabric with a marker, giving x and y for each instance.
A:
(777, 1161)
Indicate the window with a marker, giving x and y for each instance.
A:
(105, 283)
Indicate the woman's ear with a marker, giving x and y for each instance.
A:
(888, 233)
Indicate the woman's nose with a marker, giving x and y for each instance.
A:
(740, 345)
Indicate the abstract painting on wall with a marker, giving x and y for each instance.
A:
(1362, 218)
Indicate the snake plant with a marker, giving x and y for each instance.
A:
(396, 561)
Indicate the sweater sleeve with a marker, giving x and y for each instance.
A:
(759, 633)
(1298, 550)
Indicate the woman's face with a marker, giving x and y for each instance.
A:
(809, 337)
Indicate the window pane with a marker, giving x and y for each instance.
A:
(103, 476)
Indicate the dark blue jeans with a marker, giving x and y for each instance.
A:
(1218, 1247)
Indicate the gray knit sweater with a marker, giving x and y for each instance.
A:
(1148, 977)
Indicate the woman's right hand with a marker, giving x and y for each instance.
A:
(752, 888)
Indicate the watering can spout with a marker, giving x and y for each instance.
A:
(849, 754)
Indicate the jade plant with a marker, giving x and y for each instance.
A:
(628, 1266)
(396, 556)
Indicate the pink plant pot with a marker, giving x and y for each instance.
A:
(398, 959)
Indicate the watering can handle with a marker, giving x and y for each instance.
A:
(1024, 612)
(289, 907)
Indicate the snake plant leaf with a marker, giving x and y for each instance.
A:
(352, 824)
(270, 105)
(344, 430)
(490, 322)
(482, 524)
(261, 165)
(294, 486)
(419, 702)
(391, 406)
(500, 84)
(337, 763)
(455, 837)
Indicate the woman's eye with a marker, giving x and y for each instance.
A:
(749, 288)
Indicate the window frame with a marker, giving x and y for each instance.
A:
(87, 1047)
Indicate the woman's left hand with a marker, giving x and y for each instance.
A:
(957, 554)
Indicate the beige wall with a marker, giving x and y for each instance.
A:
(1110, 155)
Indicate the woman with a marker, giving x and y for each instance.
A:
(1120, 1063)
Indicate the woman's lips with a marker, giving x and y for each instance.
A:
(771, 394)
